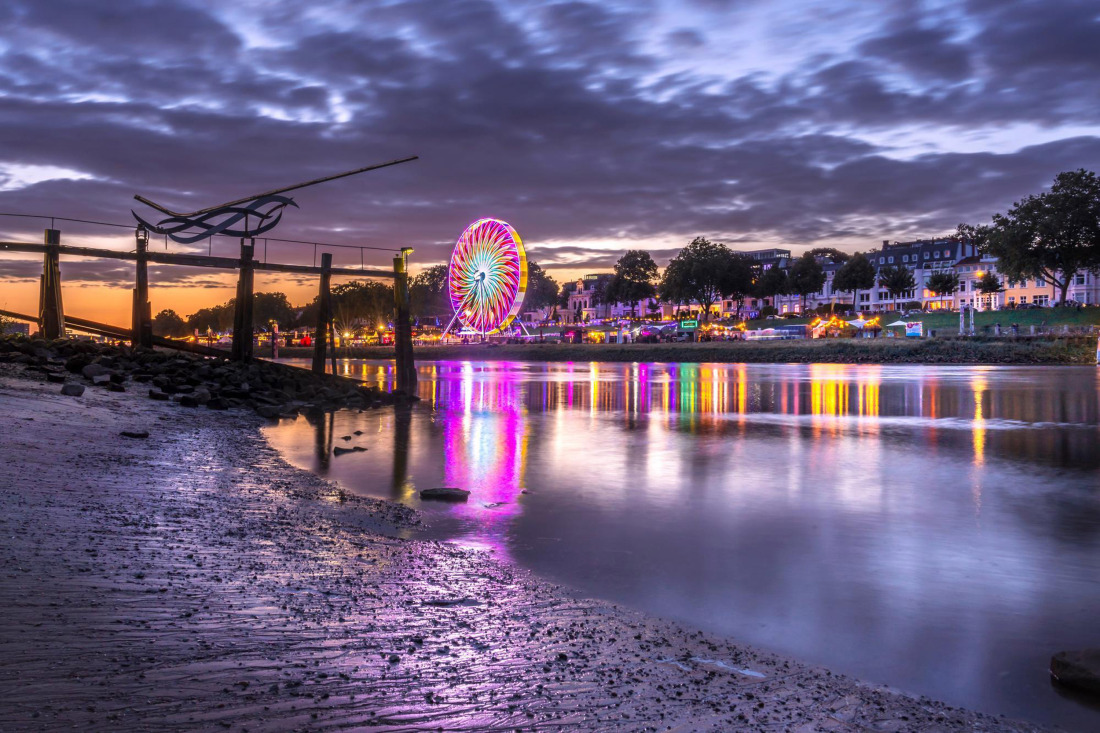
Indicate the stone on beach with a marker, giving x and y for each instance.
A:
(1077, 669)
(72, 390)
(139, 434)
(445, 494)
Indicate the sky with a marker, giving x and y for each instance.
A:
(590, 127)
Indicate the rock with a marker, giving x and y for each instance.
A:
(271, 412)
(55, 378)
(217, 403)
(1077, 669)
(155, 394)
(338, 451)
(140, 434)
(72, 390)
(115, 387)
(445, 494)
(100, 379)
(91, 371)
(189, 401)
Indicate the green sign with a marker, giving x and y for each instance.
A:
(689, 325)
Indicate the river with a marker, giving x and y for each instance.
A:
(936, 529)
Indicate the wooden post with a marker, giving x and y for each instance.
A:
(51, 315)
(402, 327)
(242, 313)
(142, 319)
(324, 315)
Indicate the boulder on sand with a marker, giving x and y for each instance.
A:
(445, 494)
(1077, 669)
(72, 390)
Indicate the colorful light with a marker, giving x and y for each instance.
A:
(487, 277)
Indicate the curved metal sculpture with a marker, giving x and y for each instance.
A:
(265, 211)
(487, 276)
(260, 213)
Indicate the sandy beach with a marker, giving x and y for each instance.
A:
(194, 580)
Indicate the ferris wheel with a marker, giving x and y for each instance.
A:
(487, 277)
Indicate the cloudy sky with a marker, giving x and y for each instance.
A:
(591, 127)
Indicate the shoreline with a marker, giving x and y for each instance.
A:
(1067, 351)
(195, 579)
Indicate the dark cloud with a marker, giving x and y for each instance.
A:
(563, 118)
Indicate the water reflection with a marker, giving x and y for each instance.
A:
(935, 528)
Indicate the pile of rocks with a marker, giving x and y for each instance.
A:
(272, 390)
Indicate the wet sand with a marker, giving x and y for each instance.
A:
(194, 580)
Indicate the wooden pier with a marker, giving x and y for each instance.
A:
(52, 320)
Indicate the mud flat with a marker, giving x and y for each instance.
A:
(194, 580)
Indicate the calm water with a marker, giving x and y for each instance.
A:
(932, 528)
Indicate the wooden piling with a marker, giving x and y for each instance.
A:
(51, 314)
(142, 317)
(324, 314)
(402, 327)
(242, 312)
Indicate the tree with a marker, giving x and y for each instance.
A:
(218, 318)
(943, 283)
(989, 283)
(542, 290)
(702, 272)
(635, 273)
(896, 280)
(1053, 235)
(772, 282)
(428, 293)
(854, 275)
(807, 276)
(740, 279)
(271, 307)
(831, 254)
(168, 323)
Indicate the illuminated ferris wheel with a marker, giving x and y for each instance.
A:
(487, 277)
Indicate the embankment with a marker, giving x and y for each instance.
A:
(940, 350)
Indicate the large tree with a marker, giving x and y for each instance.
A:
(542, 290)
(634, 278)
(807, 276)
(854, 275)
(831, 254)
(943, 283)
(772, 282)
(428, 294)
(896, 280)
(1053, 235)
(169, 323)
(989, 283)
(702, 272)
(266, 308)
(741, 279)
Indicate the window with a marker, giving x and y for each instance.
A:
(864, 297)
(1040, 282)
(891, 259)
(1023, 298)
(1012, 300)
(882, 260)
(947, 253)
(905, 258)
(1042, 300)
(937, 255)
(926, 255)
(1079, 279)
